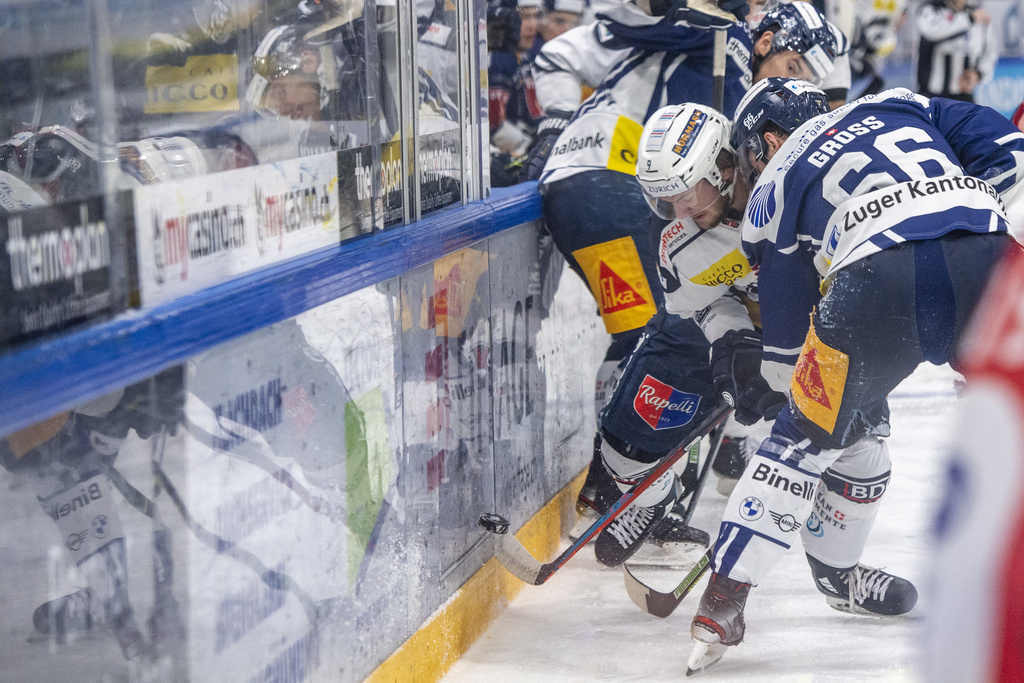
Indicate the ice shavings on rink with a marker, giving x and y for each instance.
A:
(581, 626)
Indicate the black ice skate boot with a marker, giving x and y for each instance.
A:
(718, 623)
(65, 615)
(863, 590)
(730, 462)
(623, 537)
(599, 491)
(673, 544)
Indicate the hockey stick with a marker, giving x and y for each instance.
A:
(717, 435)
(710, 8)
(663, 604)
(716, 443)
(514, 556)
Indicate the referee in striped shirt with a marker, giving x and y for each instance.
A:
(956, 49)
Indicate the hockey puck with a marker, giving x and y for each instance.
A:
(496, 524)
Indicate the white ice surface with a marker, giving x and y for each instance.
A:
(581, 625)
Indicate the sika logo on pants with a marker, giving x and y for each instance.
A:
(662, 406)
(616, 278)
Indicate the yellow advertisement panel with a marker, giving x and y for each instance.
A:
(618, 283)
(625, 143)
(725, 271)
(819, 381)
(205, 83)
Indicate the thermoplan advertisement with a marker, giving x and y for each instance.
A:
(54, 269)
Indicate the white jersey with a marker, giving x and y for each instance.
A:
(706, 276)
(637, 64)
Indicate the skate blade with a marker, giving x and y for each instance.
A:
(844, 605)
(704, 655)
(667, 555)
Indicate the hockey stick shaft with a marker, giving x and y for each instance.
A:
(716, 443)
(523, 565)
(718, 72)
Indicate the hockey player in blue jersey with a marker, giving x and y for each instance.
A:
(593, 206)
(874, 229)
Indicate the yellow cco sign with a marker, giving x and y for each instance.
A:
(205, 83)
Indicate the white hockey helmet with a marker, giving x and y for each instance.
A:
(678, 148)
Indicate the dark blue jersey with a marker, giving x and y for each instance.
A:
(874, 173)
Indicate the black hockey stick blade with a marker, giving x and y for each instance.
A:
(514, 556)
(663, 604)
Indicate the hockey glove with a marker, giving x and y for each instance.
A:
(738, 8)
(155, 403)
(548, 131)
(759, 400)
(706, 15)
(736, 371)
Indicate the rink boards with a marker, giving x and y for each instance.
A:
(338, 459)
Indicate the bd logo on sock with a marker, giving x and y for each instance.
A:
(662, 406)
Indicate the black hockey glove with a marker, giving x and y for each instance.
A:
(548, 131)
(736, 369)
(155, 403)
(706, 14)
(738, 8)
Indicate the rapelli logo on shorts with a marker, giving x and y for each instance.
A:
(618, 283)
(662, 406)
(819, 381)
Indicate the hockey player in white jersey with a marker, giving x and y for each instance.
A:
(688, 174)
(893, 206)
(639, 61)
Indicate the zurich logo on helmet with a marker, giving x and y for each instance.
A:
(761, 208)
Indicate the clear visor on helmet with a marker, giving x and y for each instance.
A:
(285, 78)
(819, 63)
(811, 64)
(683, 204)
(751, 159)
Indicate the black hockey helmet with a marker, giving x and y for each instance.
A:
(774, 104)
(502, 25)
(55, 159)
(799, 27)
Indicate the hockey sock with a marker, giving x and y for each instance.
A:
(768, 506)
(627, 472)
(846, 503)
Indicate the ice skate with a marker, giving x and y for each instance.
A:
(65, 615)
(598, 494)
(718, 623)
(673, 544)
(730, 463)
(873, 591)
(622, 538)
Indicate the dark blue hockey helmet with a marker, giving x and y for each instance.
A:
(799, 27)
(503, 25)
(777, 105)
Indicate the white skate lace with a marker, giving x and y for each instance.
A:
(630, 524)
(866, 582)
